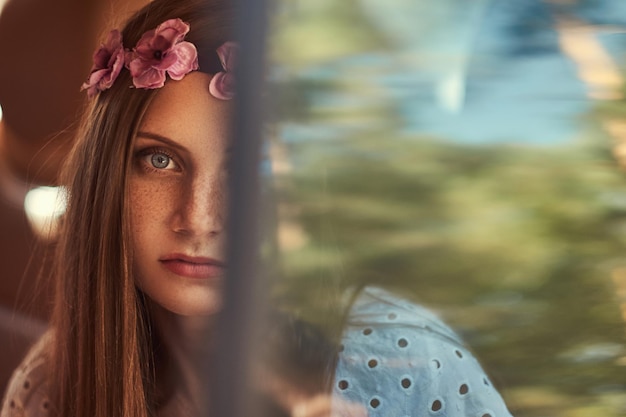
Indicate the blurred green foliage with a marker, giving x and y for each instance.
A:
(515, 245)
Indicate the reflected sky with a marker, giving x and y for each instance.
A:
(483, 71)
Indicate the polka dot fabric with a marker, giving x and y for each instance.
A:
(27, 394)
(400, 360)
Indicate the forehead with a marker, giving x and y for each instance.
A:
(185, 110)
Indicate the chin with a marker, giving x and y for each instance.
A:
(193, 301)
(195, 307)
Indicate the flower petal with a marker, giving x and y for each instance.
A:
(174, 30)
(227, 53)
(103, 54)
(144, 45)
(162, 44)
(91, 85)
(151, 78)
(101, 58)
(114, 40)
(186, 60)
(167, 61)
(222, 86)
(138, 66)
(117, 63)
(108, 62)
(129, 56)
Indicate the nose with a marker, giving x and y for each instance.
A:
(200, 210)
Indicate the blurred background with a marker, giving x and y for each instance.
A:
(466, 153)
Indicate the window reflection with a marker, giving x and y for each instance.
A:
(463, 156)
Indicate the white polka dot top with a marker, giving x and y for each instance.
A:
(398, 359)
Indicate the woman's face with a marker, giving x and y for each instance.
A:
(178, 197)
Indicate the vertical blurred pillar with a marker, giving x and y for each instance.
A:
(244, 292)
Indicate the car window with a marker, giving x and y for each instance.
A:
(464, 156)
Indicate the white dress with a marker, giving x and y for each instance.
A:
(399, 359)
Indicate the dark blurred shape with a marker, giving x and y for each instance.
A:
(294, 364)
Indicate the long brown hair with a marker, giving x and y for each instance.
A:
(102, 355)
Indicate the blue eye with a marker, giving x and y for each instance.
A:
(157, 159)
(160, 161)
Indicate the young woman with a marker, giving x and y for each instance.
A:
(140, 261)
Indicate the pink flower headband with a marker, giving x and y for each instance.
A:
(159, 51)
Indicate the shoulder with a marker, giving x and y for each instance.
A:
(399, 358)
(27, 394)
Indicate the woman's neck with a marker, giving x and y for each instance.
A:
(183, 362)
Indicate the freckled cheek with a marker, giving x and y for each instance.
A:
(151, 204)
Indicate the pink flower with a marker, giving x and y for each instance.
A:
(161, 51)
(108, 61)
(223, 83)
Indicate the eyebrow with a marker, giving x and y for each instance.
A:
(160, 138)
(168, 141)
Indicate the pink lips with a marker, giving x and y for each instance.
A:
(193, 266)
